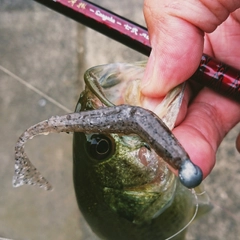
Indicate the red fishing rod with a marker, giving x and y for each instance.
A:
(211, 73)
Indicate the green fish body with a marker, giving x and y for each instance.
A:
(123, 188)
(123, 184)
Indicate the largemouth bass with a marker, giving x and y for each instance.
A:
(128, 191)
(123, 185)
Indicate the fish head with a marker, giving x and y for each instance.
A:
(122, 170)
(123, 188)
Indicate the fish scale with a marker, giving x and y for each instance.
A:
(123, 184)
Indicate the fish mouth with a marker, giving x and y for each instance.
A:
(119, 83)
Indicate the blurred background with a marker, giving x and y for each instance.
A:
(43, 56)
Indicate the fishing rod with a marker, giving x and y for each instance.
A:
(211, 73)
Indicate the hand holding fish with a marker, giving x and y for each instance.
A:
(179, 35)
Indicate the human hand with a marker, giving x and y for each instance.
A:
(179, 33)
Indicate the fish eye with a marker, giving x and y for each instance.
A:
(100, 147)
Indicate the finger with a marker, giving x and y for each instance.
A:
(176, 33)
(223, 43)
(236, 15)
(208, 119)
(153, 103)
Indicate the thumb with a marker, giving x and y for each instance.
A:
(177, 37)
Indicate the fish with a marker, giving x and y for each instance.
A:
(122, 159)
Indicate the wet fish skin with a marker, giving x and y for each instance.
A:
(106, 209)
(119, 196)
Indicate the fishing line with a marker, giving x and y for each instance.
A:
(36, 90)
(194, 215)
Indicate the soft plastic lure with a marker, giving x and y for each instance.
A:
(123, 119)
